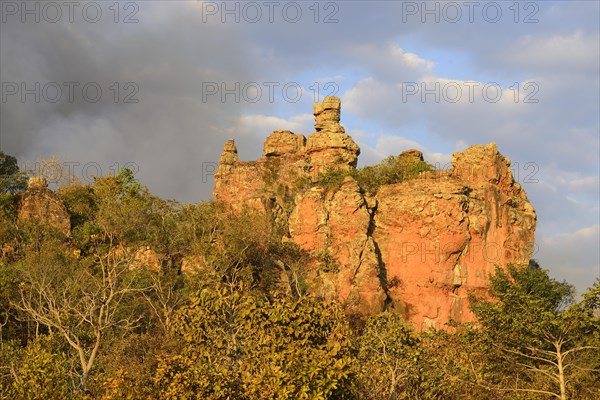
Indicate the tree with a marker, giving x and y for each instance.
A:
(457, 362)
(547, 344)
(246, 347)
(388, 359)
(34, 372)
(12, 180)
(124, 208)
(80, 302)
(393, 169)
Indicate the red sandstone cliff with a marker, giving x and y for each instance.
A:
(419, 246)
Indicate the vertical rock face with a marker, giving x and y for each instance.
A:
(340, 224)
(41, 204)
(442, 235)
(419, 247)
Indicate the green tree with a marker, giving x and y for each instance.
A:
(393, 169)
(246, 248)
(457, 363)
(12, 180)
(547, 344)
(34, 372)
(124, 209)
(238, 346)
(81, 302)
(388, 359)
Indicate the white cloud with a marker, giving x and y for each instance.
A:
(571, 53)
(572, 256)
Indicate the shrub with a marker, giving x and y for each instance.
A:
(393, 169)
(247, 347)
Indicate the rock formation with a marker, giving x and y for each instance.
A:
(41, 204)
(441, 236)
(419, 247)
(329, 146)
(288, 159)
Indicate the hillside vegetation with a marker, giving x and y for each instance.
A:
(150, 299)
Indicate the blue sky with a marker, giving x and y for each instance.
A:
(372, 52)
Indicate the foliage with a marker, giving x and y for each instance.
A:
(127, 372)
(456, 364)
(270, 171)
(545, 340)
(80, 202)
(12, 180)
(388, 359)
(124, 209)
(331, 179)
(81, 303)
(9, 231)
(127, 181)
(246, 248)
(34, 372)
(393, 169)
(228, 314)
(245, 347)
(327, 262)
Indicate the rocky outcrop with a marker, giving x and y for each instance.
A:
(329, 146)
(145, 257)
(441, 235)
(339, 224)
(419, 247)
(282, 143)
(289, 160)
(41, 205)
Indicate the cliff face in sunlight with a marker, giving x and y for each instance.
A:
(419, 246)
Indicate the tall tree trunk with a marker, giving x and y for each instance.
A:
(561, 370)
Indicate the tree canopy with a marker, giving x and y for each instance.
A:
(149, 298)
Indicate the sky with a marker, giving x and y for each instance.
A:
(159, 86)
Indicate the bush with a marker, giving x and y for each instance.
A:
(246, 347)
(331, 179)
(36, 372)
(393, 169)
(388, 359)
